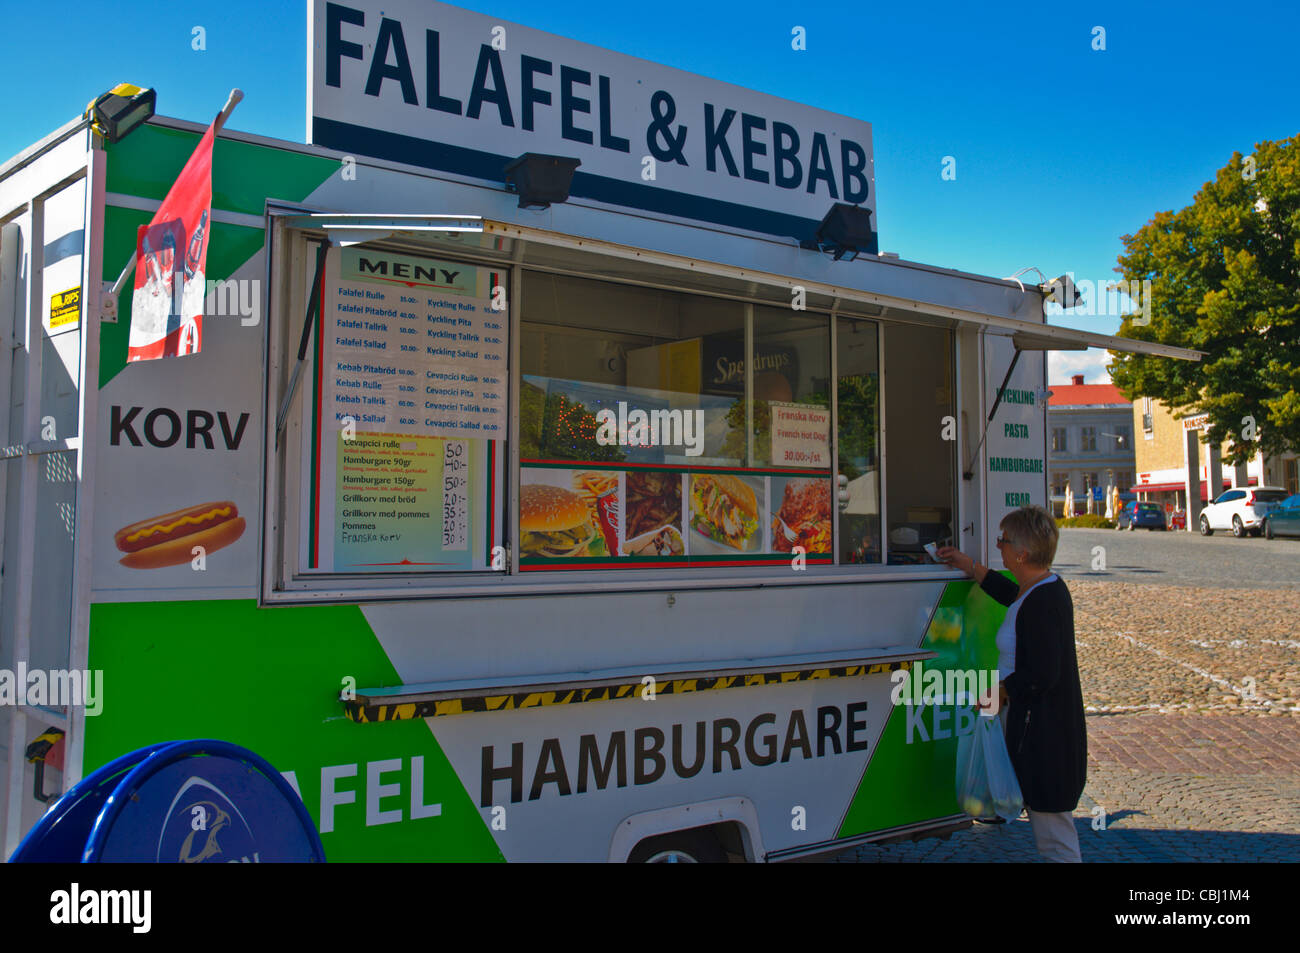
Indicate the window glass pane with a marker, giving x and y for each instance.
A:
(791, 377)
(921, 465)
(649, 434)
(858, 437)
(587, 345)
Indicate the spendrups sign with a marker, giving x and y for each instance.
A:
(436, 86)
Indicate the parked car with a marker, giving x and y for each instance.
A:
(1241, 510)
(1134, 514)
(1284, 519)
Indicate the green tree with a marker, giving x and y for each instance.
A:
(1225, 279)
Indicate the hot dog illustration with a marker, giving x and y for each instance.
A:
(169, 540)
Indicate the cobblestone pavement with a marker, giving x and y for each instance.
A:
(1193, 732)
(1170, 648)
(1171, 788)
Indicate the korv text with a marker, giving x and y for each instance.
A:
(164, 427)
(650, 754)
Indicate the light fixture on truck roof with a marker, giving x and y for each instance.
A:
(844, 231)
(1062, 290)
(540, 179)
(117, 112)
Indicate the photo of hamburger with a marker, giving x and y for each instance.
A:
(554, 522)
(169, 540)
(725, 509)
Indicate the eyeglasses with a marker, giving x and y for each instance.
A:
(1002, 541)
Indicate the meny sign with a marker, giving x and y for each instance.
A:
(436, 86)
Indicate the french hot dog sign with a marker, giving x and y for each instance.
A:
(409, 81)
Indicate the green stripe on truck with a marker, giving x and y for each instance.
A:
(906, 783)
(269, 679)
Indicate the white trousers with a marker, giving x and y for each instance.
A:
(1055, 836)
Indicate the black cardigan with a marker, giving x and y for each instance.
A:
(1046, 735)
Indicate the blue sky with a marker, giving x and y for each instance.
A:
(1060, 149)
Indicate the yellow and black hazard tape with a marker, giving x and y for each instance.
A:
(363, 711)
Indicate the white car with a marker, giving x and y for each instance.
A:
(1241, 510)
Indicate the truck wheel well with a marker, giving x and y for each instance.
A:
(710, 844)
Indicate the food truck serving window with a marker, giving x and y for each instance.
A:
(467, 420)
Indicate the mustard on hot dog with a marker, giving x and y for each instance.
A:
(169, 540)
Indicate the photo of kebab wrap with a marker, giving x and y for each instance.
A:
(169, 540)
(555, 522)
(725, 509)
(665, 541)
(806, 509)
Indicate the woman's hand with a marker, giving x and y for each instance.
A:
(957, 559)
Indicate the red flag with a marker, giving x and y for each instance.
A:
(171, 254)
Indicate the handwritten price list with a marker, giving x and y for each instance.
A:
(455, 496)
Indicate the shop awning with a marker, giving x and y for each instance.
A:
(1171, 487)
(553, 251)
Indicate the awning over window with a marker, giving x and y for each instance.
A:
(547, 250)
(1171, 487)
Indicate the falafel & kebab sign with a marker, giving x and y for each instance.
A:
(432, 85)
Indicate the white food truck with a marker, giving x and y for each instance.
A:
(509, 520)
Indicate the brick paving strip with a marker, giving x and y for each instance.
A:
(1172, 787)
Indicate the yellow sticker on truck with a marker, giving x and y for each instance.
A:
(65, 307)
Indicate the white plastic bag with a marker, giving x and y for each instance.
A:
(986, 781)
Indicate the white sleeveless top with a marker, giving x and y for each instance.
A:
(1007, 631)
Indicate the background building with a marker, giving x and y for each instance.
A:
(1169, 451)
(1089, 441)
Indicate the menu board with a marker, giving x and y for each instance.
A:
(409, 408)
(413, 346)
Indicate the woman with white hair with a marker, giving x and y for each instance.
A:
(1046, 733)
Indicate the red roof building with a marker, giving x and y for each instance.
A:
(1090, 441)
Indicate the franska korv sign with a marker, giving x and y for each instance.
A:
(436, 86)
